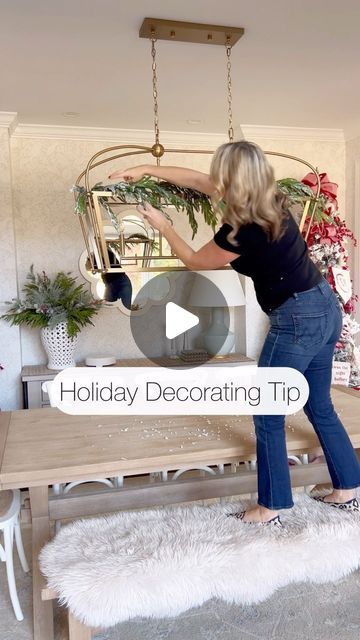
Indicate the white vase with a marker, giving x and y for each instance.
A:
(59, 346)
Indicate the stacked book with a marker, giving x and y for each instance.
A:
(194, 355)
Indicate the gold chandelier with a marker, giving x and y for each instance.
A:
(120, 251)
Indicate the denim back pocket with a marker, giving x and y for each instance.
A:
(310, 328)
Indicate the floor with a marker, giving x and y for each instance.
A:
(299, 612)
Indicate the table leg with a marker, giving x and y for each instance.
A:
(42, 610)
(78, 631)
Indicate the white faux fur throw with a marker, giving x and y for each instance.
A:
(161, 562)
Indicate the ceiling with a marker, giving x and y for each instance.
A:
(298, 64)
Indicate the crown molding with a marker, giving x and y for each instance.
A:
(8, 119)
(311, 134)
(175, 139)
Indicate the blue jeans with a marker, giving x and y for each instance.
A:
(303, 334)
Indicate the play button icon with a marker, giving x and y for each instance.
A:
(176, 314)
(178, 320)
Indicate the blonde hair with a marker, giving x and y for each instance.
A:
(243, 177)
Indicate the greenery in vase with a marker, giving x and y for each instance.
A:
(47, 302)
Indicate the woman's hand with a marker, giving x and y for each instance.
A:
(130, 175)
(153, 216)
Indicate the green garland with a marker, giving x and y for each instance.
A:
(298, 192)
(158, 194)
(162, 194)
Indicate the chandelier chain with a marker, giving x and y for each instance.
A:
(155, 92)
(229, 92)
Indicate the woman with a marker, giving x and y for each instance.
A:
(259, 238)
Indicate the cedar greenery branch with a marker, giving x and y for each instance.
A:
(47, 302)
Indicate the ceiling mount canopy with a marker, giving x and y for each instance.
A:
(190, 32)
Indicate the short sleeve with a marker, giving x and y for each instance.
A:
(220, 238)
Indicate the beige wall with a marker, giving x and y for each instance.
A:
(10, 347)
(353, 207)
(325, 156)
(47, 234)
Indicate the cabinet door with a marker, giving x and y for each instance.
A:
(36, 397)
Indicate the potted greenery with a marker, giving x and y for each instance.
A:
(59, 307)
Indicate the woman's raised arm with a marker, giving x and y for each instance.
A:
(177, 175)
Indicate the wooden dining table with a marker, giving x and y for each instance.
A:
(40, 448)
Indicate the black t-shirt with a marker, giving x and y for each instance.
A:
(279, 268)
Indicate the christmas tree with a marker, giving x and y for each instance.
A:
(327, 240)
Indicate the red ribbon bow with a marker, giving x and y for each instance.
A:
(327, 188)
